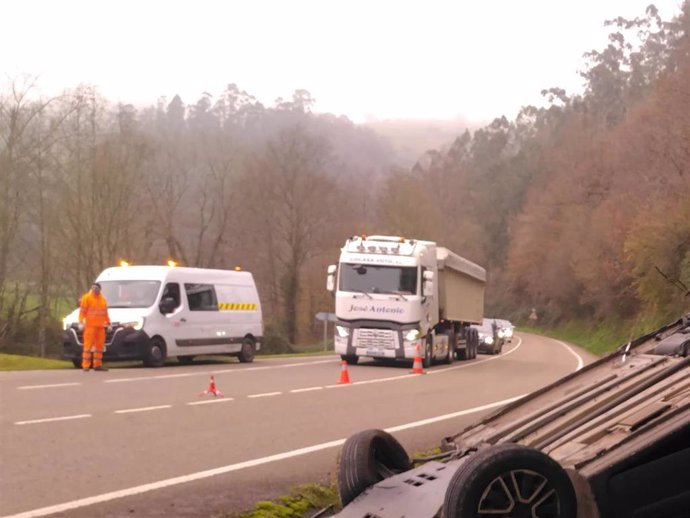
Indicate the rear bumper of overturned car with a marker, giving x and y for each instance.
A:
(417, 493)
(123, 343)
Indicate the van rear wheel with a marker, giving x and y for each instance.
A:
(155, 353)
(248, 351)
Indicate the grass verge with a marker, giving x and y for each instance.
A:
(17, 362)
(303, 501)
(597, 338)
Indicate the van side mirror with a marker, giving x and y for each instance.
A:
(167, 305)
(330, 279)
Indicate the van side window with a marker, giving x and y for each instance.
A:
(172, 291)
(201, 297)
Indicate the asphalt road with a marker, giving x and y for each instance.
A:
(142, 442)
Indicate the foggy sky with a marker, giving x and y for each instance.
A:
(366, 59)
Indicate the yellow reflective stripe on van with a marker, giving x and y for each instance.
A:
(233, 306)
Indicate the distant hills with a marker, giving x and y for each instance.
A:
(412, 138)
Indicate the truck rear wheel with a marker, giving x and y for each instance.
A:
(474, 341)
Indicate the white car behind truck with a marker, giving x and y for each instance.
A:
(169, 311)
(396, 298)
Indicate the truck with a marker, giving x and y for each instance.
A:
(398, 299)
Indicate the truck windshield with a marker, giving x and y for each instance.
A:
(130, 294)
(378, 279)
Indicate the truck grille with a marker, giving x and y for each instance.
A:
(376, 338)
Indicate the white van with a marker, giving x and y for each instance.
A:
(169, 311)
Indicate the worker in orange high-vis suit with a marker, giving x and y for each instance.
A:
(94, 320)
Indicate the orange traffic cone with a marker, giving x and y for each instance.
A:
(417, 366)
(344, 376)
(211, 389)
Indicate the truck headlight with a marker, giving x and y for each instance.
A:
(136, 325)
(412, 335)
(343, 332)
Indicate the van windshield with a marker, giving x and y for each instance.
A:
(378, 279)
(130, 294)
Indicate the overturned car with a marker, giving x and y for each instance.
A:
(609, 441)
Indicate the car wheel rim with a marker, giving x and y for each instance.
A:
(156, 352)
(519, 494)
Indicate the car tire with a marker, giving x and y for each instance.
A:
(350, 359)
(367, 458)
(155, 352)
(185, 360)
(510, 480)
(248, 351)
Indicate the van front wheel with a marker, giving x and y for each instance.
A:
(155, 353)
(248, 351)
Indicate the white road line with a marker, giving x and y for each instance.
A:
(265, 394)
(223, 371)
(53, 419)
(55, 385)
(209, 401)
(143, 409)
(308, 389)
(580, 361)
(136, 490)
(477, 362)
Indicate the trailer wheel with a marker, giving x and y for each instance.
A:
(511, 481)
(367, 458)
(474, 338)
(155, 352)
(450, 356)
(247, 352)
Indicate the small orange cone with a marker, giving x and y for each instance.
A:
(344, 376)
(417, 366)
(212, 389)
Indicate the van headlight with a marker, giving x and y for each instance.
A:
(488, 340)
(137, 325)
(501, 333)
(343, 332)
(412, 335)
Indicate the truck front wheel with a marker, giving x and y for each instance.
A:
(350, 359)
(428, 357)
